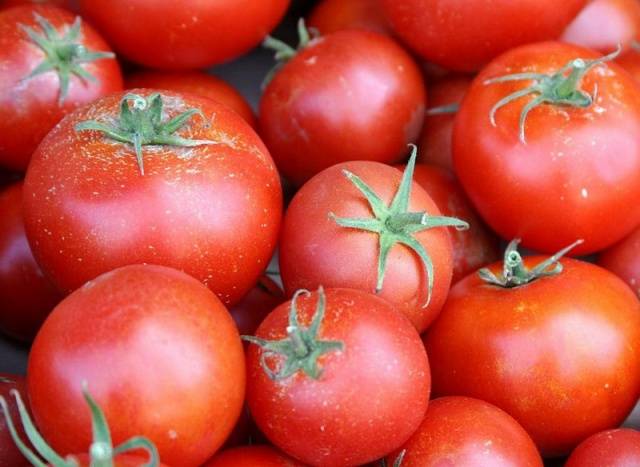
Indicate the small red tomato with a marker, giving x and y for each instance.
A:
(252, 456)
(10, 456)
(630, 61)
(52, 64)
(331, 16)
(623, 259)
(615, 448)
(256, 305)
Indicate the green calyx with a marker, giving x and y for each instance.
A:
(394, 224)
(560, 88)
(64, 53)
(141, 124)
(101, 451)
(515, 273)
(302, 347)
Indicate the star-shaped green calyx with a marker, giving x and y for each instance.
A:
(64, 53)
(395, 224)
(141, 124)
(559, 88)
(302, 347)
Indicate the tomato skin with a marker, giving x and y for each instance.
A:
(122, 460)
(256, 305)
(326, 421)
(325, 104)
(66, 4)
(558, 354)
(185, 35)
(252, 456)
(466, 431)
(465, 35)
(630, 61)
(214, 214)
(29, 109)
(618, 448)
(330, 16)
(10, 456)
(623, 259)
(580, 161)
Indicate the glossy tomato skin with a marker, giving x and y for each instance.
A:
(468, 432)
(30, 108)
(252, 456)
(559, 354)
(175, 360)
(10, 456)
(623, 259)
(616, 448)
(122, 460)
(328, 421)
(315, 251)
(327, 103)
(213, 211)
(256, 305)
(583, 161)
(194, 82)
(26, 295)
(330, 16)
(465, 35)
(183, 35)
(630, 61)
(67, 4)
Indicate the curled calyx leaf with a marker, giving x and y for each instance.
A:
(302, 347)
(101, 451)
(141, 123)
(394, 224)
(515, 273)
(560, 88)
(63, 53)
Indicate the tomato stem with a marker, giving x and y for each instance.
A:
(447, 109)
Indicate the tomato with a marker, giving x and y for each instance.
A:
(175, 364)
(252, 456)
(208, 201)
(194, 82)
(464, 431)
(38, 88)
(325, 104)
(465, 35)
(623, 259)
(580, 157)
(617, 448)
(256, 305)
(66, 4)
(559, 352)
(10, 456)
(183, 35)
(314, 353)
(27, 296)
(330, 16)
(630, 61)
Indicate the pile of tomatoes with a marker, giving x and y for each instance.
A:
(323, 284)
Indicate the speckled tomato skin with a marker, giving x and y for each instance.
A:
(623, 259)
(370, 397)
(468, 432)
(330, 16)
(560, 355)
(252, 456)
(616, 448)
(30, 108)
(212, 211)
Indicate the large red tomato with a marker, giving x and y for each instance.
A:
(206, 200)
(560, 163)
(186, 34)
(256, 305)
(463, 35)
(615, 448)
(252, 456)
(330, 16)
(555, 346)
(52, 64)
(623, 259)
(10, 456)
(67, 4)
(337, 378)
(630, 61)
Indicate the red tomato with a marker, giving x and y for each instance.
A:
(174, 358)
(630, 61)
(559, 353)
(327, 103)
(10, 456)
(330, 16)
(122, 460)
(67, 4)
(525, 179)
(356, 390)
(615, 448)
(252, 456)
(32, 99)
(464, 431)
(256, 305)
(464, 35)
(212, 210)
(26, 295)
(183, 35)
(194, 82)
(623, 259)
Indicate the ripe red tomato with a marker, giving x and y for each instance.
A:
(26, 295)
(10, 456)
(327, 103)
(464, 35)
(183, 35)
(252, 456)
(212, 210)
(623, 259)
(616, 448)
(66, 4)
(582, 159)
(464, 431)
(304, 396)
(194, 82)
(256, 305)
(121, 460)
(630, 61)
(175, 364)
(35, 92)
(559, 353)
(331, 16)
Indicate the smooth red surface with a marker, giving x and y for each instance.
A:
(352, 95)
(630, 61)
(30, 108)
(67, 4)
(256, 305)
(369, 398)
(330, 16)
(559, 354)
(252, 456)
(577, 176)
(10, 456)
(623, 259)
(160, 354)
(616, 448)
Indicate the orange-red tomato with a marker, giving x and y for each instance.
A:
(330, 16)
(623, 259)
(615, 448)
(252, 456)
